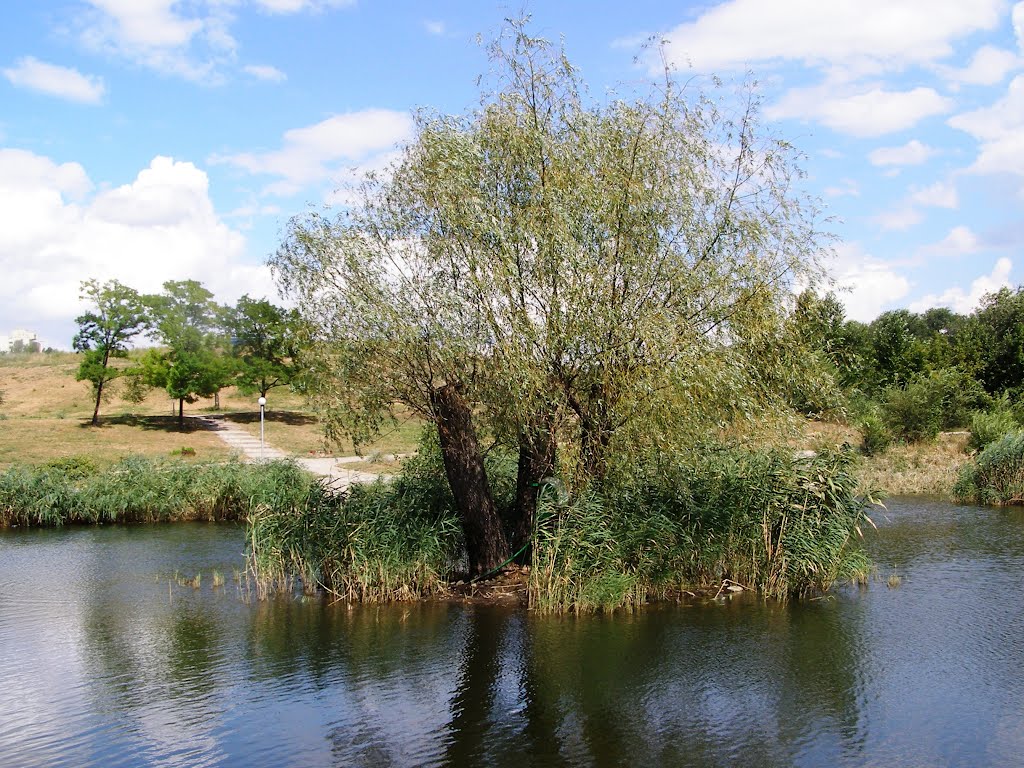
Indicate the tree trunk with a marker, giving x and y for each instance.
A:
(486, 545)
(96, 410)
(181, 414)
(536, 461)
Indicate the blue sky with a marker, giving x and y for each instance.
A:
(148, 140)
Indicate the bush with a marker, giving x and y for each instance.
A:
(930, 403)
(875, 435)
(996, 476)
(986, 428)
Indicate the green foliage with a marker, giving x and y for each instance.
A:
(930, 403)
(996, 475)
(187, 321)
(264, 341)
(986, 428)
(105, 332)
(138, 489)
(875, 435)
(386, 541)
(786, 528)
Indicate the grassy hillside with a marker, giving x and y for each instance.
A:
(46, 415)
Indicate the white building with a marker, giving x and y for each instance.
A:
(29, 341)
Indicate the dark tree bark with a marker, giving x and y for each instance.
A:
(486, 545)
(181, 414)
(536, 461)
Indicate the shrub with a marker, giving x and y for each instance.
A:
(996, 475)
(986, 428)
(875, 435)
(930, 403)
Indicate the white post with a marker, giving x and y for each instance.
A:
(263, 402)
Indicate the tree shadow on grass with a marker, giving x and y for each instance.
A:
(148, 423)
(294, 418)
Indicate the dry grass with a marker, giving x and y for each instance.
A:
(928, 468)
(46, 414)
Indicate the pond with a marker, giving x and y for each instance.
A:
(106, 660)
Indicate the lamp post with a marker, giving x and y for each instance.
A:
(263, 402)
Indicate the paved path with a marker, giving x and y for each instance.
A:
(249, 447)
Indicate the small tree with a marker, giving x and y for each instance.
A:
(264, 342)
(105, 333)
(186, 320)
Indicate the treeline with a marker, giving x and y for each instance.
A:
(203, 346)
(907, 376)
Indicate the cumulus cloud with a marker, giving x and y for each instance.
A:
(62, 82)
(911, 153)
(864, 112)
(941, 194)
(868, 286)
(1000, 130)
(965, 302)
(873, 34)
(326, 150)
(959, 242)
(265, 72)
(191, 40)
(988, 66)
(55, 231)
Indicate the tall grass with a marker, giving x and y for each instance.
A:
(140, 489)
(786, 528)
(374, 543)
(996, 476)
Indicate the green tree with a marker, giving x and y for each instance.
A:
(264, 342)
(1002, 317)
(563, 273)
(104, 333)
(187, 322)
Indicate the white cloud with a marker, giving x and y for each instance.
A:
(885, 34)
(295, 6)
(959, 242)
(868, 286)
(326, 150)
(63, 82)
(911, 153)
(1017, 16)
(966, 302)
(859, 112)
(265, 72)
(941, 194)
(434, 27)
(846, 187)
(161, 226)
(185, 39)
(988, 66)
(900, 218)
(1000, 130)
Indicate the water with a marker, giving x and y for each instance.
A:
(105, 661)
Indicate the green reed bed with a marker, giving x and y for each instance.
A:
(374, 543)
(996, 475)
(141, 489)
(784, 527)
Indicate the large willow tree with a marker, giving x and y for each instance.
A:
(559, 270)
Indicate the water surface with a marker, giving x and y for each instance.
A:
(105, 660)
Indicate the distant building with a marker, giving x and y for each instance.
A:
(20, 340)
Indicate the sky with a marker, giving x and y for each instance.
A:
(154, 140)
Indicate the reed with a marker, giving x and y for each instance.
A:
(788, 528)
(996, 475)
(141, 489)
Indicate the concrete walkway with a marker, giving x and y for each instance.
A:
(247, 446)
